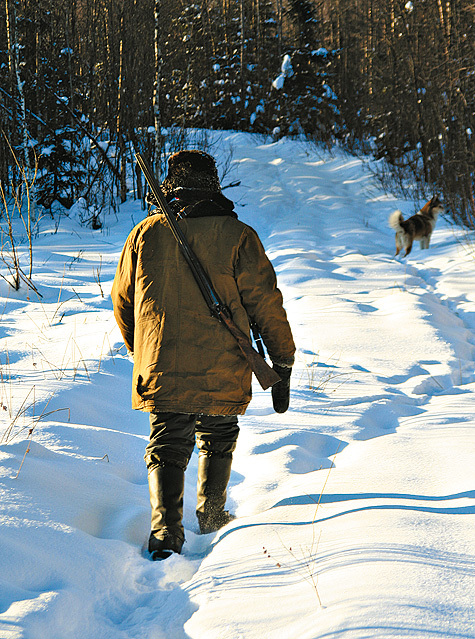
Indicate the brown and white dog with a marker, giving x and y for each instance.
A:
(418, 227)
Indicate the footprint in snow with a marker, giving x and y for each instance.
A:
(378, 420)
(302, 451)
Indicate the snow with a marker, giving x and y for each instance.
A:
(286, 72)
(355, 508)
(321, 51)
(259, 109)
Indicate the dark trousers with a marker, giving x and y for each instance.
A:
(173, 437)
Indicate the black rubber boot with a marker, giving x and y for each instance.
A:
(166, 485)
(214, 472)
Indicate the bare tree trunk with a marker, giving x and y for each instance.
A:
(208, 26)
(258, 45)
(14, 59)
(225, 22)
(122, 159)
(9, 38)
(242, 54)
(156, 91)
(279, 28)
(370, 47)
(445, 23)
(68, 35)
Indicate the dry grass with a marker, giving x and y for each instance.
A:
(305, 557)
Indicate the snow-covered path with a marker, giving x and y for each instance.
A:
(356, 508)
(388, 353)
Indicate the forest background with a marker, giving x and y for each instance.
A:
(84, 84)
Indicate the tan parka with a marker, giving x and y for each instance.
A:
(185, 360)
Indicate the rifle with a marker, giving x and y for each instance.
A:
(265, 375)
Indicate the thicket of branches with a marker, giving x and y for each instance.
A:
(84, 83)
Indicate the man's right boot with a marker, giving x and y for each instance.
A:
(166, 485)
(214, 472)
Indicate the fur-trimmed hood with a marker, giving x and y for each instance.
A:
(195, 203)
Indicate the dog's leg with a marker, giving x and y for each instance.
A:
(398, 244)
(408, 249)
(425, 242)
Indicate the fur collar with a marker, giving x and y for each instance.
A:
(195, 203)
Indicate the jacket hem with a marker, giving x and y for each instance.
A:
(222, 409)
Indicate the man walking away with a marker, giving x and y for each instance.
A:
(189, 372)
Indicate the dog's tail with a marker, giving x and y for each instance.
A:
(395, 221)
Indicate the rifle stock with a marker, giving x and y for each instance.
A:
(265, 375)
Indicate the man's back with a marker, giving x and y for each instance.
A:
(183, 357)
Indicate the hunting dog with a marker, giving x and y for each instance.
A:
(418, 227)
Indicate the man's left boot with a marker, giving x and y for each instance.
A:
(167, 485)
(214, 472)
